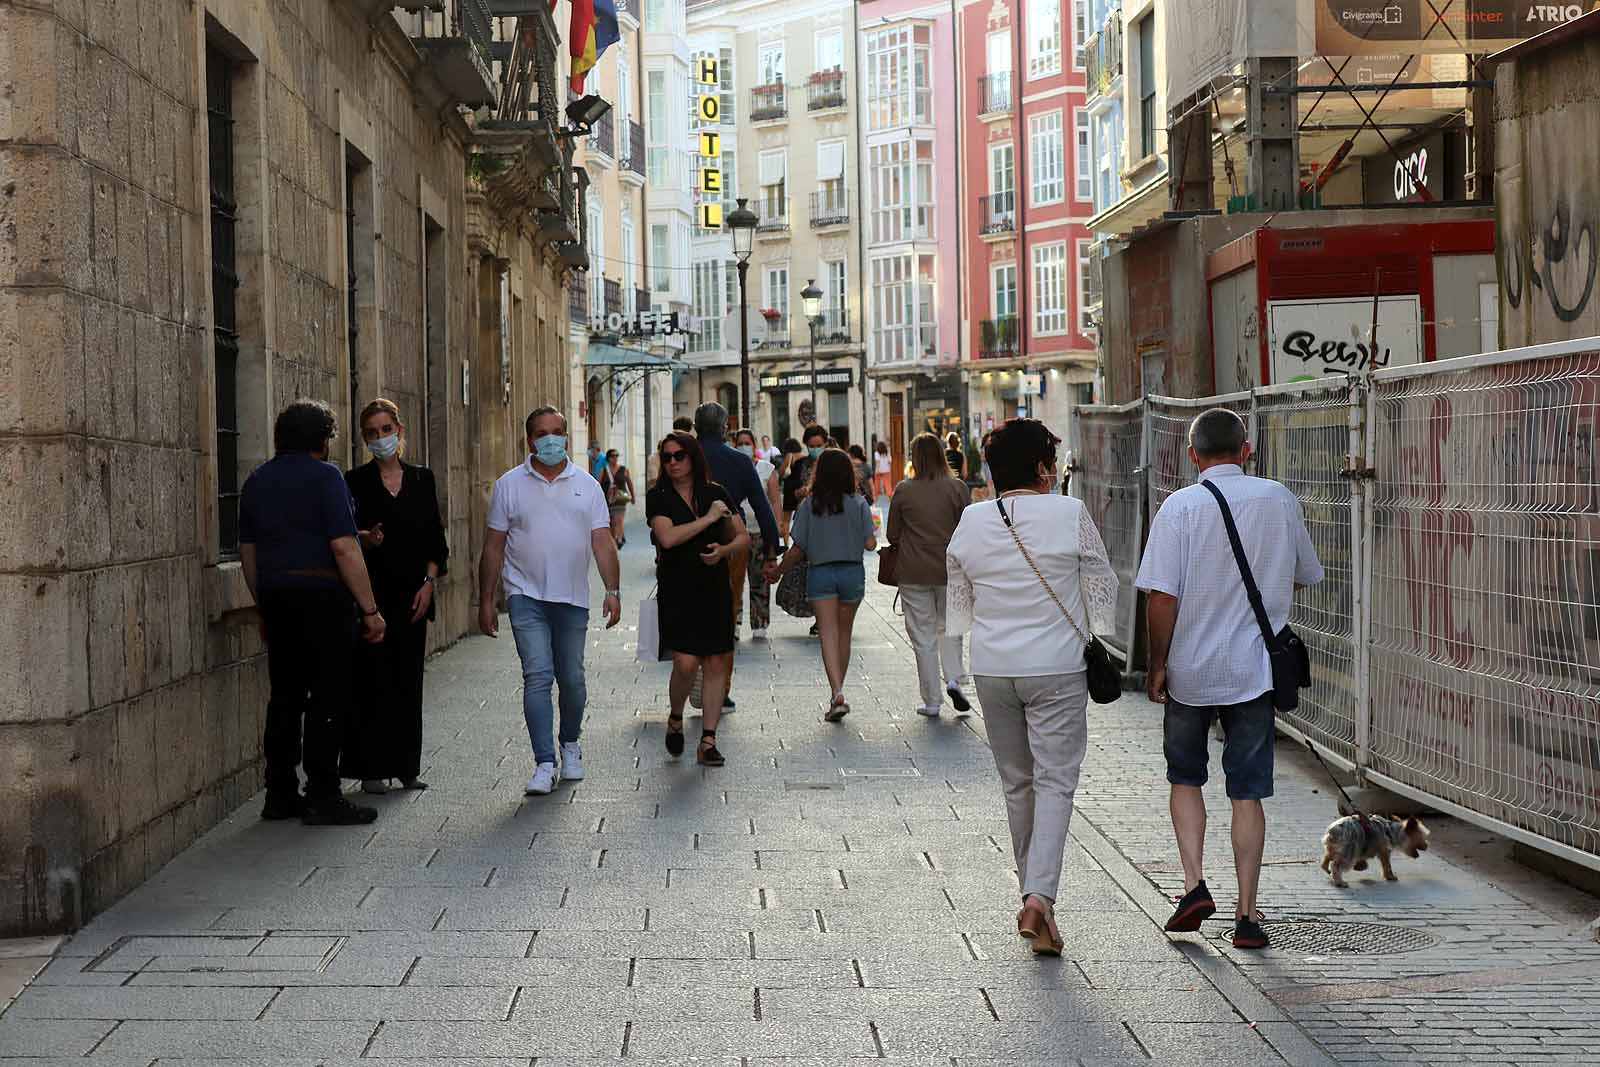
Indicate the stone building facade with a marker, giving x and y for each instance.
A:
(209, 208)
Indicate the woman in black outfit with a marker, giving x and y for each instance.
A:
(402, 537)
(695, 527)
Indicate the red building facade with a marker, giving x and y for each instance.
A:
(1027, 189)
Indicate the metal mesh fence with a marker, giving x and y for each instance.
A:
(1484, 550)
(1106, 444)
(1302, 437)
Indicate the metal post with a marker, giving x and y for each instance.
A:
(1364, 443)
(649, 442)
(744, 350)
(1271, 134)
(816, 412)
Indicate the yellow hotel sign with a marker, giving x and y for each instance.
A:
(709, 108)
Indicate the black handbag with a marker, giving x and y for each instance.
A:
(1286, 653)
(889, 565)
(1105, 681)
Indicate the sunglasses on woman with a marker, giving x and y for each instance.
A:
(673, 457)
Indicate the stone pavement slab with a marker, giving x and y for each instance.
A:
(838, 894)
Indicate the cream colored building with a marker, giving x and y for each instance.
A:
(791, 92)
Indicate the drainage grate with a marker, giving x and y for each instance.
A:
(790, 786)
(1346, 939)
(879, 772)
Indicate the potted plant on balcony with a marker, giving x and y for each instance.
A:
(771, 314)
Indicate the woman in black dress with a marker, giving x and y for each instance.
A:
(695, 527)
(402, 538)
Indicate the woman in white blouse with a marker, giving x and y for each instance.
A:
(1027, 658)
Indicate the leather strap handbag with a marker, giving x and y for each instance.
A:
(1105, 681)
(889, 565)
(1286, 653)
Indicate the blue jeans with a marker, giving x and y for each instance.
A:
(550, 639)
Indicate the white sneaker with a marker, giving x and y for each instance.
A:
(928, 713)
(543, 781)
(572, 761)
(758, 635)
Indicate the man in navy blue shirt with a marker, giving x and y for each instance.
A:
(733, 470)
(299, 549)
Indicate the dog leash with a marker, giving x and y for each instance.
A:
(1366, 820)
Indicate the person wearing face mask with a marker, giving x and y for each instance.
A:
(402, 538)
(547, 519)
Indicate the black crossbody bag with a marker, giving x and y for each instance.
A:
(1286, 653)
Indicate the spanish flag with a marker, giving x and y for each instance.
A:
(594, 29)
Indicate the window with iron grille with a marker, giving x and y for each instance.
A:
(224, 295)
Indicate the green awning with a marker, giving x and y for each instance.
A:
(605, 354)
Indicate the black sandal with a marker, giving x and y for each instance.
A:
(708, 756)
(674, 737)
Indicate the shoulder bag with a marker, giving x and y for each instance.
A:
(1105, 681)
(889, 565)
(1286, 653)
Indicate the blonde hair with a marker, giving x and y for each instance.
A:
(382, 406)
(927, 458)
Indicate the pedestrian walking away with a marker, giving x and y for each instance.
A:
(547, 520)
(858, 456)
(797, 483)
(697, 530)
(923, 514)
(1207, 656)
(1027, 658)
(955, 455)
(302, 563)
(732, 470)
(793, 454)
(403, 543)
(755, 570)
(831, 531)
(882, 483)
(618, 485)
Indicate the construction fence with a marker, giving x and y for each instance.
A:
(1455, 641)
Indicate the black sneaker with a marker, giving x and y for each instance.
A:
(728, 704)
(276, 809)
(1195, 908)
(959, 699)
(337, 811)
(1247, 933)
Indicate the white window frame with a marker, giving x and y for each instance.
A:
(1044, 38)
(705, 299)
(627, 236)
(1047, 162)
(597, 256)
(1084, 326)
(894, 309)
(1082, 156)
(775, 289)
(660, 262)
(995, 271)
(898, 80)
(1048, 275)
(816, 46)
(770, 64)
(656, 119)
(1080, 31)
(1009, 151)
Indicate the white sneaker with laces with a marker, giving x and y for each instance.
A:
(927, 713)
(543, 781)
(572, 761)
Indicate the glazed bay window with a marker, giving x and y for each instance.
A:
(1047, 152)
(1044, 38)
(901, 176)
(661, 260)
(1082, 156)
(894, 310)
(898, 82)
(1050, 289)
(1088, 287)
(707, 294)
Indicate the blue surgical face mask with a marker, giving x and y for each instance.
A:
(749, 450)
(813, 452)
(550, 449)
(384, 447)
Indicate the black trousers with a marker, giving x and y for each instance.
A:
(311, 636)
(383, 738)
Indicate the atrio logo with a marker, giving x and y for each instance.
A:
(1553, 13)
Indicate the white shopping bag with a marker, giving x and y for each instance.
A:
(649, 629)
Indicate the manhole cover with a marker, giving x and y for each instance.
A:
(1350, 939)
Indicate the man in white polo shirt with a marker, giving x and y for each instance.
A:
(1208, 657)
(547, 519)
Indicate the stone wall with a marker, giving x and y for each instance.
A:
(132, 680)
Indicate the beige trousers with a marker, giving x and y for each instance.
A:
(924, 608)
(1038, 730)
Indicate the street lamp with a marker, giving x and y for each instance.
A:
(811, 302)
(742, 222)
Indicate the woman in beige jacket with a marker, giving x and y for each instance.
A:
(923, 514)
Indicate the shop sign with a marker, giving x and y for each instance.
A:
(639, 324)
(709, 180)
(1410, 27)
(827, 378)
(1311, 338)
(1028, 384)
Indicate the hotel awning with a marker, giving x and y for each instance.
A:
(618, 357)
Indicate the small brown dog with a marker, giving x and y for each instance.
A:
(1353, 840)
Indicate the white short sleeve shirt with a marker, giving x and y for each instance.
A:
(1218, 656)
(548, 523)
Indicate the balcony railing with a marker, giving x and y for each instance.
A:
(830, 206)
(825, 89)
(633, 149)
(769, 102)
(578, 298)
(999, 212)
(603, 136)
(777, 335)
(833, 327)
(641, 299)
(772, 214)
(994, 93)
(455, 37)
(613, 297)
(999, 338)
(1103, 56)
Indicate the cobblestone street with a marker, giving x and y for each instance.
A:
(835, 892)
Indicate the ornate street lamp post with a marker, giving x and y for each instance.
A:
(742, 222)
(811, 302)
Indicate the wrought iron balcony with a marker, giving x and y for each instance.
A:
(999, 212)
(632, 150)
(994, 93)
(455, 38)
(830, 206)
(613, 295)
(777, 335)
(999, 338)
(603, 136)
(772, 213)
(641, 299)
(769, 102)
(833, 326)
(826, 89)
(578, 298)
(1103, 56)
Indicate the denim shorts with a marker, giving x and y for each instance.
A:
(844, 582)
(1246, 752)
